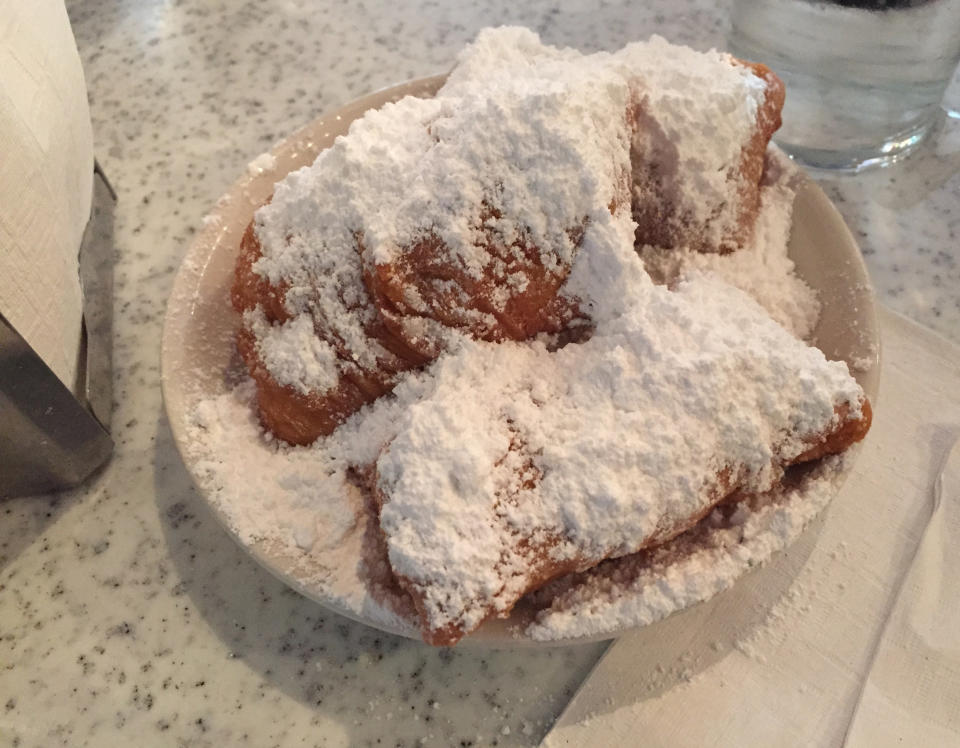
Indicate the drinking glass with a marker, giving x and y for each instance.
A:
(864, 78)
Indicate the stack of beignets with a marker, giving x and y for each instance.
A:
(484, 229)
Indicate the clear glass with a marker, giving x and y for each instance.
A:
(864, 78)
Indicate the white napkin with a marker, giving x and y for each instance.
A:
(856, 628)
(912, 691)
(46, 179)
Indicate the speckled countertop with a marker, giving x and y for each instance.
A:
(127, 616)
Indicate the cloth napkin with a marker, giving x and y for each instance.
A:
(852, 636)
(46, 179)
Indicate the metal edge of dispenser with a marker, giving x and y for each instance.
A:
(51, 439)
(95, 379)
(48, 439)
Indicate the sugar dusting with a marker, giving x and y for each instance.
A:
(620, 438)
(301, 501)
(761, 268)
(467, 167)
(644, 588)
(261, 164)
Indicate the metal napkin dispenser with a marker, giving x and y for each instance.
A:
(51, 437)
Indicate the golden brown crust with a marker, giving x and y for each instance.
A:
(848, 432)
(301, 419)
(753, 154)
(249, 288)
(290, 415)
(427, 281)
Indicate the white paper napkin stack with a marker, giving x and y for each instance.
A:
(46, 178)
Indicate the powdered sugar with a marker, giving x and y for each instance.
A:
(701, 143)
(762, 267)
(263, 163)
(265, 502)
(467, 169)
(593, 419)
(286, 496)
(640, 590)
(626, 436)
(314, 366)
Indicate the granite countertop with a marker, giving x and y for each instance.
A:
(127, 616)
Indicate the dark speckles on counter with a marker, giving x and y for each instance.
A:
(127, 616)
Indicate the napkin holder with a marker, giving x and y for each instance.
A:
(53, 438)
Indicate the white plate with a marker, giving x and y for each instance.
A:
(198, 339)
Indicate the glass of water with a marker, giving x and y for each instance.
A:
(864, 78)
